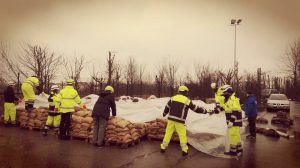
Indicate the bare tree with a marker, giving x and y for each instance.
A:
(41, 63)
(74, 68)
(97, 81)
(171, 71)
(227, 77)
(117, 80)
(110, 67)
(131, 72)
(141, 72)
(291, 61)
(10, 63)
(160, 79)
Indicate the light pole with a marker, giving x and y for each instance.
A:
(235, 23)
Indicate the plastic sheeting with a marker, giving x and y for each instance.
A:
(205, 133)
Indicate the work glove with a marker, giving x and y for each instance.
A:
(230, 124)
(84, 106)
(56, 110)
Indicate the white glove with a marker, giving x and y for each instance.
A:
(230, 124)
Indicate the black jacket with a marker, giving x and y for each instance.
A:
(103, 105)
(178, 107)
(9, 95)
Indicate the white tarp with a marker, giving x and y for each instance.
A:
(205, 133)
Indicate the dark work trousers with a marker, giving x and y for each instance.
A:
(99, 130)
(65, 123)
(252, 126)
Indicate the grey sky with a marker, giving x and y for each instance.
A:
(184, 31)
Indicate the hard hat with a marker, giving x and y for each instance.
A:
(109, 88)
(213, 85)
(11, 83)
(54, 87)
(183, 88)
(227, 88)
(70, 82)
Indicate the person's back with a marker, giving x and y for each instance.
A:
(101, 113)
(9, 105)
(250, 106)
(251, 113)
(9, 95)
(27, 87)
(105, 102)
(68, 97)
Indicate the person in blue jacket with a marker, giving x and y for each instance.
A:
(251, 114)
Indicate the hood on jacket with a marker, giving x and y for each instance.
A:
(105, 93)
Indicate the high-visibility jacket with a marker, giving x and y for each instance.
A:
(53, 103)
(67, 98)
(178, 107)
(218, 96)
(28, 86)
(233, 111)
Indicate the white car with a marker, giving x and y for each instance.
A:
(278, 102)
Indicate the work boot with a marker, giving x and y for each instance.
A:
(184, 153)
(162, 150)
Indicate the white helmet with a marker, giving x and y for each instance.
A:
(226, 88)
(54, 87)
(213, 85)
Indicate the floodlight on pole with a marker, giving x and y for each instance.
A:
(234, 23)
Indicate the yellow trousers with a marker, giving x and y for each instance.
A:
(10, 112)
(235, 140)
(181, 131)
(53, 121)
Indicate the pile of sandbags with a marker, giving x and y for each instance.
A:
(156, 129)
(140, 128)
(82, 123)
(35, 118)
(282, 118)
(121, 131)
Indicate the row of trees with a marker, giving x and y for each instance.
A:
(132, 78)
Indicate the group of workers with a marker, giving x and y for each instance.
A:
(62, 103)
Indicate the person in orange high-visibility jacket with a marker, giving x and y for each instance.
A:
(67, 98)
(177, 108)
(27, 87)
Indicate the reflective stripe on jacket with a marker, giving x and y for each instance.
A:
(178, 108)
(233, 111)
(67, 98)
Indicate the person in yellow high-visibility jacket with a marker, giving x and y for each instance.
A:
(177, 108)
(218, 96)
(27, 87)
(67, 98)
(53, 119)
(234, 121)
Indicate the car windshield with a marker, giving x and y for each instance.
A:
(278, 97)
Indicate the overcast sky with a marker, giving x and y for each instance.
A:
(184, 31)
